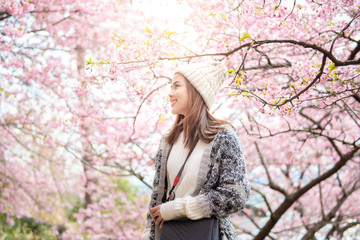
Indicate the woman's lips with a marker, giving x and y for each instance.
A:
(173, 102)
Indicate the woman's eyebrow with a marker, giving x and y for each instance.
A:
(177, 81)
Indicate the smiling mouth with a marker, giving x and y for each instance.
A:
(173, 102)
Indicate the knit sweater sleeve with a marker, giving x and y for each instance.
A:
(181, 207)
(154, 194)
(149, 232)
(231, 189)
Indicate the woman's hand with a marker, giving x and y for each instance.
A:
(156, 215)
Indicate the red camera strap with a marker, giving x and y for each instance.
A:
(177, 178)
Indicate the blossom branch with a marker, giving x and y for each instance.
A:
(291, 198)
(272, 185)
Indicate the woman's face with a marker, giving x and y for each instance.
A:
(179, 97)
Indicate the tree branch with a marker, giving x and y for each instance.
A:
(331, 214)
(289, 200)
(272, 185)
(343, 30)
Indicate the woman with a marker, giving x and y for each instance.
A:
(214, 180)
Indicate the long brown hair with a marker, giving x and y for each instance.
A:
(198, 123)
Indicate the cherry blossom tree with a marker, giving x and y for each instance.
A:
(294, 94)
(60, 161)
(84, 103)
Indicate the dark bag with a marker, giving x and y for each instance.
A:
(185, 229)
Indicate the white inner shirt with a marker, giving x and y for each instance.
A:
(187, 183)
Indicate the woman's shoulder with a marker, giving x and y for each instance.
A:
(162, 138)
(227, 136)
(164, 134)
(227, 131)
(227, 142)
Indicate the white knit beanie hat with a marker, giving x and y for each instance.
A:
(206, 77)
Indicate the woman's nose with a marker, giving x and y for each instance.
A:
(171, 93)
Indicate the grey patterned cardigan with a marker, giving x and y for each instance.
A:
(222, 187)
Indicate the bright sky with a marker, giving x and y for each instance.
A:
(170, 10)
